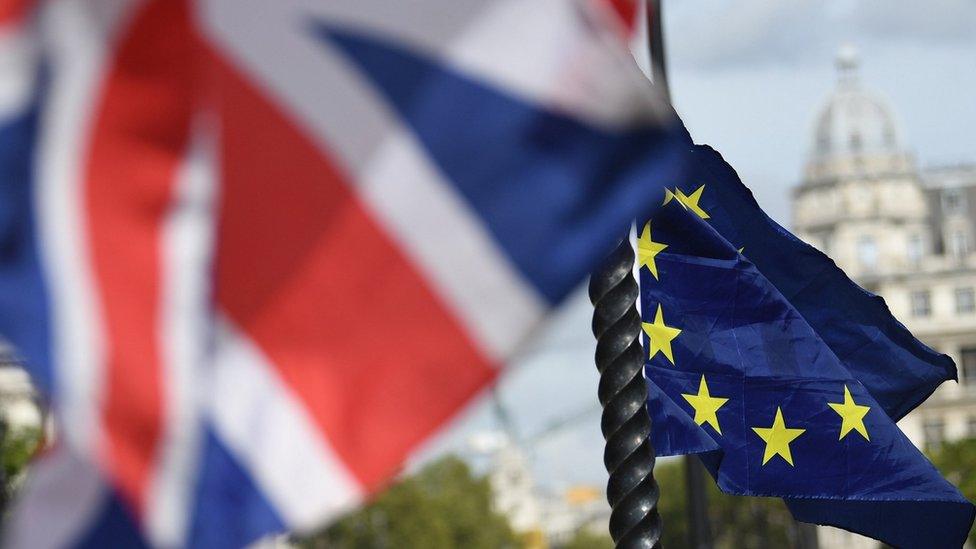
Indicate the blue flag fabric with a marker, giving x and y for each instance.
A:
(897, 369)
(786, 378)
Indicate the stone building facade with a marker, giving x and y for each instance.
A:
(905, 233)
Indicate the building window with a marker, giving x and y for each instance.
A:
(867, 252)
(921, 303)
(934, 432)
(968, 358)
(915, 250)
(958, 244)
(965, 301)
(953, 201)
(889, 136)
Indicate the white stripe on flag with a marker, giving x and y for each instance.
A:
(266, 428)
(254, 36)
(563, 54)
(421, 211)
(60, 502)
(556, 53)
(187, 251)
(435, 227)
(79, 34)
(18, 69)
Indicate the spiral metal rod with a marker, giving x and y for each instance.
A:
(628, 456)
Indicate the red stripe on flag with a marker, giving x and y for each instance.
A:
(140, 134)
(348, 322)
(12, 11)
(626, 10)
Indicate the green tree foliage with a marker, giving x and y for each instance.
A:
(957, 461)
(16, 450)
(443, 506)
(736, 521)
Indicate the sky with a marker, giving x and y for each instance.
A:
(747, 77)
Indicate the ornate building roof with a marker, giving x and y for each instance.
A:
(854, 121)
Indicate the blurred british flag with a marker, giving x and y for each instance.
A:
(255, 252)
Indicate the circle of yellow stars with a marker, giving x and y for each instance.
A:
(778, 436)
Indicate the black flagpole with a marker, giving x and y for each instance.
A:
(629, 458)
(655, 47)
(628, 455)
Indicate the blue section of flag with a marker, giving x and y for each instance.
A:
(746, 360)
(230, 509)
(554, 192)
(898, 370)
(112, 526)
(23, 296)
(674, 432)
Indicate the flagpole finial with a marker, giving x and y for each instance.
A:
(847, 61)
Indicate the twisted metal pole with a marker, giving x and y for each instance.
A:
(628, 456)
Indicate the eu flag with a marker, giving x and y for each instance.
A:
(784, 375)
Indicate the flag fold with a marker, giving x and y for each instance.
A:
(789, 376)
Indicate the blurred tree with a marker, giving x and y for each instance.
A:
(443, 506)
(670, 476)
(17, 447)
(957, 461)
(585, 539)
(736, 521)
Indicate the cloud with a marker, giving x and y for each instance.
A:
(932, 21)
(726, 34)
(717, 34)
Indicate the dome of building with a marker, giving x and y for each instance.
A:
(854, 122)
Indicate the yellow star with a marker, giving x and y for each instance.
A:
(852, 415)
(647, 249)
(668, 196)
(691, 201)
(705, 406)
(778, 438)
(660, 335)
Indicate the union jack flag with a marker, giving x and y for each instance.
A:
(256, 251)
